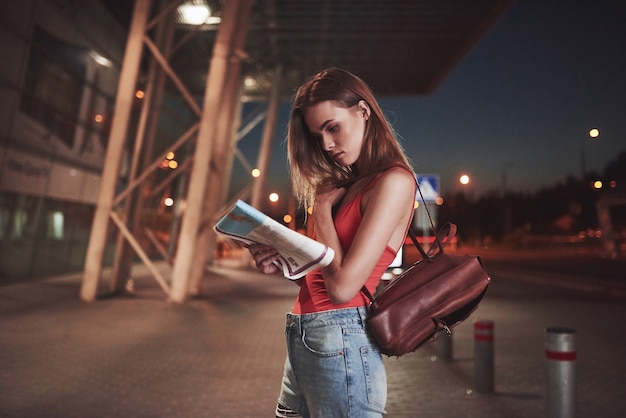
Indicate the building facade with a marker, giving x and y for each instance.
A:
(60, 66)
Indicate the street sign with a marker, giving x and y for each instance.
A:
(429, 185)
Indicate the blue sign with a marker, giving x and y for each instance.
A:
(429, 185)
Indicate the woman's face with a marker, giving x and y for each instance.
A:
(340, 130)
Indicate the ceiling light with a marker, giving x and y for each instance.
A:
(196, 13)
(100, 59)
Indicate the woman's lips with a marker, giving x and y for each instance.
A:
(336, 156)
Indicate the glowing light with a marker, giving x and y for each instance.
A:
(170, 155)
(256, 172)
(274, 197)
(594, 133)
(439, 201)
(55, 226)
(140, 94)
(98, 118)
(168, 201)
(287, 219)
(597, 184)
(464, 179)
(173, 164)
(194, 14)
(105, 62)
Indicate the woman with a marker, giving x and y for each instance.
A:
(346, 164)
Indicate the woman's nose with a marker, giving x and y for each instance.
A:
(327, 143)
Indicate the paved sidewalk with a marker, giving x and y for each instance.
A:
(222, 355)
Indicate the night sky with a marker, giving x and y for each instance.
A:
(518, 108)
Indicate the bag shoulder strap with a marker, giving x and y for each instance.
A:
(369, 295)
(443, 238)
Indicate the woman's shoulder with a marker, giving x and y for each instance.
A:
(398, 174)
(393, 181)
(395, 186)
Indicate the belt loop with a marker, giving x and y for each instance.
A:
(363, 314)
(296, 320)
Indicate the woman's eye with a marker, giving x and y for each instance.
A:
(333, 128)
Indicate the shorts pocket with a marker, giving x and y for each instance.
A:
(375, 377)
(324, 341)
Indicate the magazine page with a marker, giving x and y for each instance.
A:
(299, 254)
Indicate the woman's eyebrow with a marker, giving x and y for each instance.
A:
(323, 125)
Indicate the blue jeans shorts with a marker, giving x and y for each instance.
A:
(333, 367)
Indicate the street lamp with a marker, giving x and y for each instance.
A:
(273, 197)
(593, 134)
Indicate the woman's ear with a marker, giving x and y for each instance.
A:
(364, 108)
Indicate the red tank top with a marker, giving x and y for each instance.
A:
(313, 296)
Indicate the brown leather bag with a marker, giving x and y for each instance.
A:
(433, 295)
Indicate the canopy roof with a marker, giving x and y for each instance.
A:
(399, 47)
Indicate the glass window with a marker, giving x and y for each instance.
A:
(55, 225)
(54, 83)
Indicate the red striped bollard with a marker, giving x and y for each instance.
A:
(561, 373)
(483, 356)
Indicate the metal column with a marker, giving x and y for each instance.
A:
(144, 139)
(266, 142)
(221, 153)
(235, 18)
(119, 127)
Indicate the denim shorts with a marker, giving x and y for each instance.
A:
(333, 367)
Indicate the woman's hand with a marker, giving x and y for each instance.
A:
(328, 196)
(264, 257)
(386, 210)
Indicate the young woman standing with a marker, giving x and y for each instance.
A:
(347, 165)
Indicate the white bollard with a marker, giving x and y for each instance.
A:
(444, 346)
(561, 372)
(483, 356)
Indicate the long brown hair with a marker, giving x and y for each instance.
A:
(309, 164)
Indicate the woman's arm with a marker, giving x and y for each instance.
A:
(386, 209)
